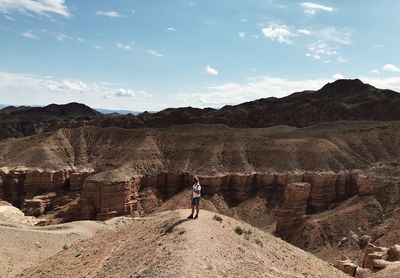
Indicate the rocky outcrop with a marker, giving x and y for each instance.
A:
(105, 199)
(37, 191)
(103, 196)
(39, 181)
(394, 253)
(347, 266)
(38, 205)
(375, 259)
(13, 187)
(77, 179)
(293, 209)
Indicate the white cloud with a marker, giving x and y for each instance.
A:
(154, 53)
(342, 36)
(26, 89)
(41, 7)
(391, 68)
(342, 60)
(374, 71)
(98, 47)
(211, 71)
(74, 85)
(280, 33)
(109, 13)
(243, 20)
(304, 32)
(30, 35)
(121, 92)
(61, 37)
(313, 8)
(125, 46)
(338, 76)
(321, 50)
(242, 35)
(315, 56)
(171, 29)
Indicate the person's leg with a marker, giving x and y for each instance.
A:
(197, 207)
(191, 215)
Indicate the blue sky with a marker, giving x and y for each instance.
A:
(149, 55)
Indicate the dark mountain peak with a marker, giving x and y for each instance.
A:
(346, 87)
(12, 109)
(72, 109)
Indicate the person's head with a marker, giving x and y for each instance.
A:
(195, 179)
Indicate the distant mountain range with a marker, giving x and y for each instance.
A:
(102, 111)
(122, 112)
(337, 101)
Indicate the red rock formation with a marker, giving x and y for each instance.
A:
(39, 181)
(375, 257)
(347, 266)
(13, 187)
(77, 179)
(105, 199)
(293, 209)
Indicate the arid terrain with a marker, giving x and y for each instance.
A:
(318, 169)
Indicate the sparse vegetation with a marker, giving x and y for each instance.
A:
(217, 218)
(246, 233)
(238, 230)
(259, 242)
(78, 254)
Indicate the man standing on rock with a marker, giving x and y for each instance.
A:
(196, 194)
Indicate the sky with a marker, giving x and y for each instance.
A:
(149, 55)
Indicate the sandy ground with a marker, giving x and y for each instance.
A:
(23, 245)
(168, 245)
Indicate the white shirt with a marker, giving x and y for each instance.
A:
(196, 186)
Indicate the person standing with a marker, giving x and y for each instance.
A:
(196, 195)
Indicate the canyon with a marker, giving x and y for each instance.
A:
(325, 181)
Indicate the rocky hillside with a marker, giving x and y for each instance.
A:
(168, 245)
(340, 100)
(23, 121)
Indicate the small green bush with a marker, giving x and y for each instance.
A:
(217, 218)
(239, 230)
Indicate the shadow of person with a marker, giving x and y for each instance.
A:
(170, 228)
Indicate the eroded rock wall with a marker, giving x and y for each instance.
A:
(294, 205)
(36, 191)
(102, 200)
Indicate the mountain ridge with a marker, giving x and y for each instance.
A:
(342, 100)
